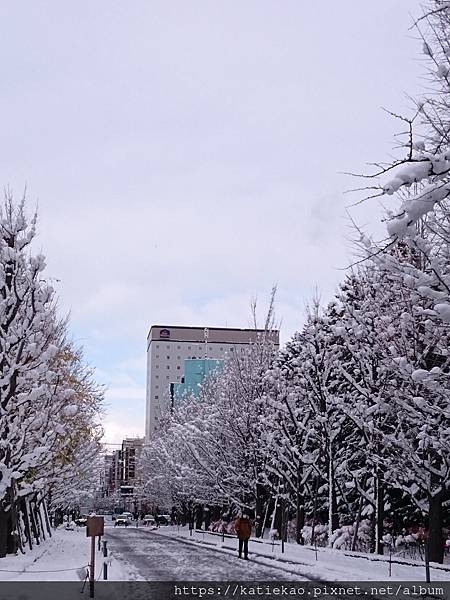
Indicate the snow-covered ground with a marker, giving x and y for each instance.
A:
(172, 554)
(326, 564)
(63, 557)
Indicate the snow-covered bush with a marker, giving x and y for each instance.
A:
(273, 534)
(220, 526)
(320, 535)
(342, 538)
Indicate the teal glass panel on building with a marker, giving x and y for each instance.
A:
(196, 371)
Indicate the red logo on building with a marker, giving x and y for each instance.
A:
(164, 334)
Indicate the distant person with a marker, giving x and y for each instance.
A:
(243, 528)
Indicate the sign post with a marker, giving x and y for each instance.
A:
(95, 527)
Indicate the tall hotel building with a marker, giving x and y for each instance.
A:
(169, 346)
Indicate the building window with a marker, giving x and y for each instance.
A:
(221, 349)
(168, 357)
(167, 377)
(178, 347)
(178, 368)
(168, 366)
(156, 376)
(157, 386)
(189, 347)
(156, 397)
(157, 366)
(157, 356)
(168, 347)
(179, 357)
(157, 345)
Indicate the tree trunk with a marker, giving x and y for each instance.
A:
(278, 518)
(199, 516)
(207, 515)
(7, 541)
(274, 514)
(435, 536)
(259, 510)
(379, 516)
(299, 515)
(4, 518)
(14, 536)
(266, 515)
(357, 522)
(26, 520)
(34, 526)
(333, 520)
(313, 527)
(47, 518)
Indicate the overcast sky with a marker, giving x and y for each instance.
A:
(186, 155)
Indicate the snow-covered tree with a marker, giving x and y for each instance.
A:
(209, 449)
(45, 422)
(420, 180)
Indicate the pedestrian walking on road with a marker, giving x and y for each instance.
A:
(243, 528)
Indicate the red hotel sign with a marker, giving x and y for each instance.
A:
(164, 334)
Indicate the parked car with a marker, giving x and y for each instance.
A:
(163, 519)
(81, 521)
(121, 521)
(128, 515)
(149, 520)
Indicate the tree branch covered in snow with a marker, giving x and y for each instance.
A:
(48, 401)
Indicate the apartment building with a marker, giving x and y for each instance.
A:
(168, 347)
(120, 472)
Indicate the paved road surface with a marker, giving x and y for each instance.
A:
(157, 558)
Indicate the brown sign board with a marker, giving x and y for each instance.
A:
(95, 526)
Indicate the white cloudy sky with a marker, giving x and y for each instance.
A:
(185, 155)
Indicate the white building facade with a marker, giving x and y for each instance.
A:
(169, 346)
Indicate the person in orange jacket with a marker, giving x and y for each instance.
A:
(243, 528)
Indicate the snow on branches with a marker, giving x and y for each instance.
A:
(48, 402)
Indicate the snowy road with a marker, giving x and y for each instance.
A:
(156, 558)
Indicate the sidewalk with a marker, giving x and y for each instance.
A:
(63, 557)
(324, 564)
